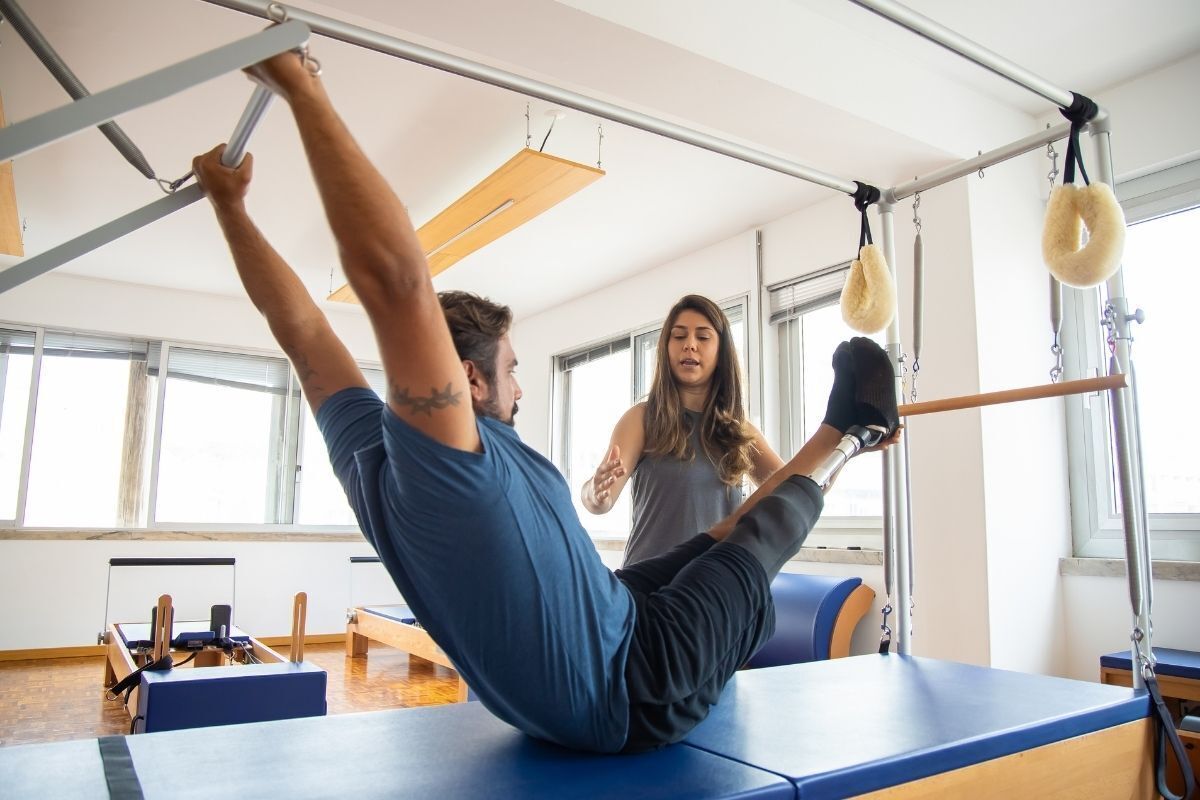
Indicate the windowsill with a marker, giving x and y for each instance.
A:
(155, 535)
(815, 555)
(1115, 568)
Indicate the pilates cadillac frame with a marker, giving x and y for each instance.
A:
(31, 134)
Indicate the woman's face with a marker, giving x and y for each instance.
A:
(693, 349)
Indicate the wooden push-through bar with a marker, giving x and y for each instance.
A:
(1082, 386)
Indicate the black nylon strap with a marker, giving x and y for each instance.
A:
(131, 680)
(119, 772)
(864, 195)
(1165, 732)
(1081, 111)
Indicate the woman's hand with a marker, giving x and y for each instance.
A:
(598, 490)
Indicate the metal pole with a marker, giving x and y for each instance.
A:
(389, 45)
(938, 34)
(971, 165)
(896, 488)
(256, 108)
(71, 249)
(1128, 444)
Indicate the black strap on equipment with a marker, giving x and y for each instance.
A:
(864, 196)
(1081, 111)
(119, 773)
(1165, 732)
(130, 681)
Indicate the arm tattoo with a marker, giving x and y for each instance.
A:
(425, 405)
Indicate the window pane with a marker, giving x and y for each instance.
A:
(321, 498)
(1164, 282)
(737, 329)
(16, 370)
(80, 430)
(859, 491)
(222, 438)
(597, 396)
(645, 348)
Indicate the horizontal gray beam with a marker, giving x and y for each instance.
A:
(37, 265)
(32, 267)
(27, 135)
(389, 45)
(983, 161)
(939, 34)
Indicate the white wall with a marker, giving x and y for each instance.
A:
(724, 270)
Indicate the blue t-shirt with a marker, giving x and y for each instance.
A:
(490, 554)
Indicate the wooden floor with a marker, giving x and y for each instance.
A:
(56, 699)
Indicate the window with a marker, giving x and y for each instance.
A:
(86, 431)
(594, 387)
(16, 376)
(223, 449)
(320, 499)
(808, 326)
(95, 433)
(1163, 214)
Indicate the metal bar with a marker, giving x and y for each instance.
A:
(1128, 446)
(990, 158)
(23, 137)
(897, 492)
(1082, 386)
(938, 34)
(256, 108)
(42, 263)
(389, 45)
(37, 265)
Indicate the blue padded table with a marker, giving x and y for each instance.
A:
(395, 626)
(856, 725)
(452, 751)
(1178, 671)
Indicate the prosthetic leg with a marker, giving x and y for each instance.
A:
(856, 438)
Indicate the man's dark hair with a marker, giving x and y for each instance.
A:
(476, 325)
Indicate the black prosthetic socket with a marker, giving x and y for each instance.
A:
(777, 526)
(874, 387)
(839, 413)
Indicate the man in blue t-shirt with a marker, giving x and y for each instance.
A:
(477, 529)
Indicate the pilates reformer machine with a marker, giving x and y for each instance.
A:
(396, 626)
(232, 677)
(890, 723)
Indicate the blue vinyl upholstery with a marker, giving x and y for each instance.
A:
(854, 725)
(194, 698)
(396, 613)
(806, 607)
(452, 751)
(1176, 663)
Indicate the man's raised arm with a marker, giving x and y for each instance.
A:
(383, 262)
(321, 361)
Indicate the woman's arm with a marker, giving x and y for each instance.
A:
(764, 460)
(600, 492)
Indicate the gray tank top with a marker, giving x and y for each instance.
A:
(673, 500)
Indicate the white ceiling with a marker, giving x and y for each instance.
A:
(820, 82)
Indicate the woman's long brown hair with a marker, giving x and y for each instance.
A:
(722, 422)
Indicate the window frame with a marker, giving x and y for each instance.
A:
(834, 532)
(288, 425)
(1097, 528)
